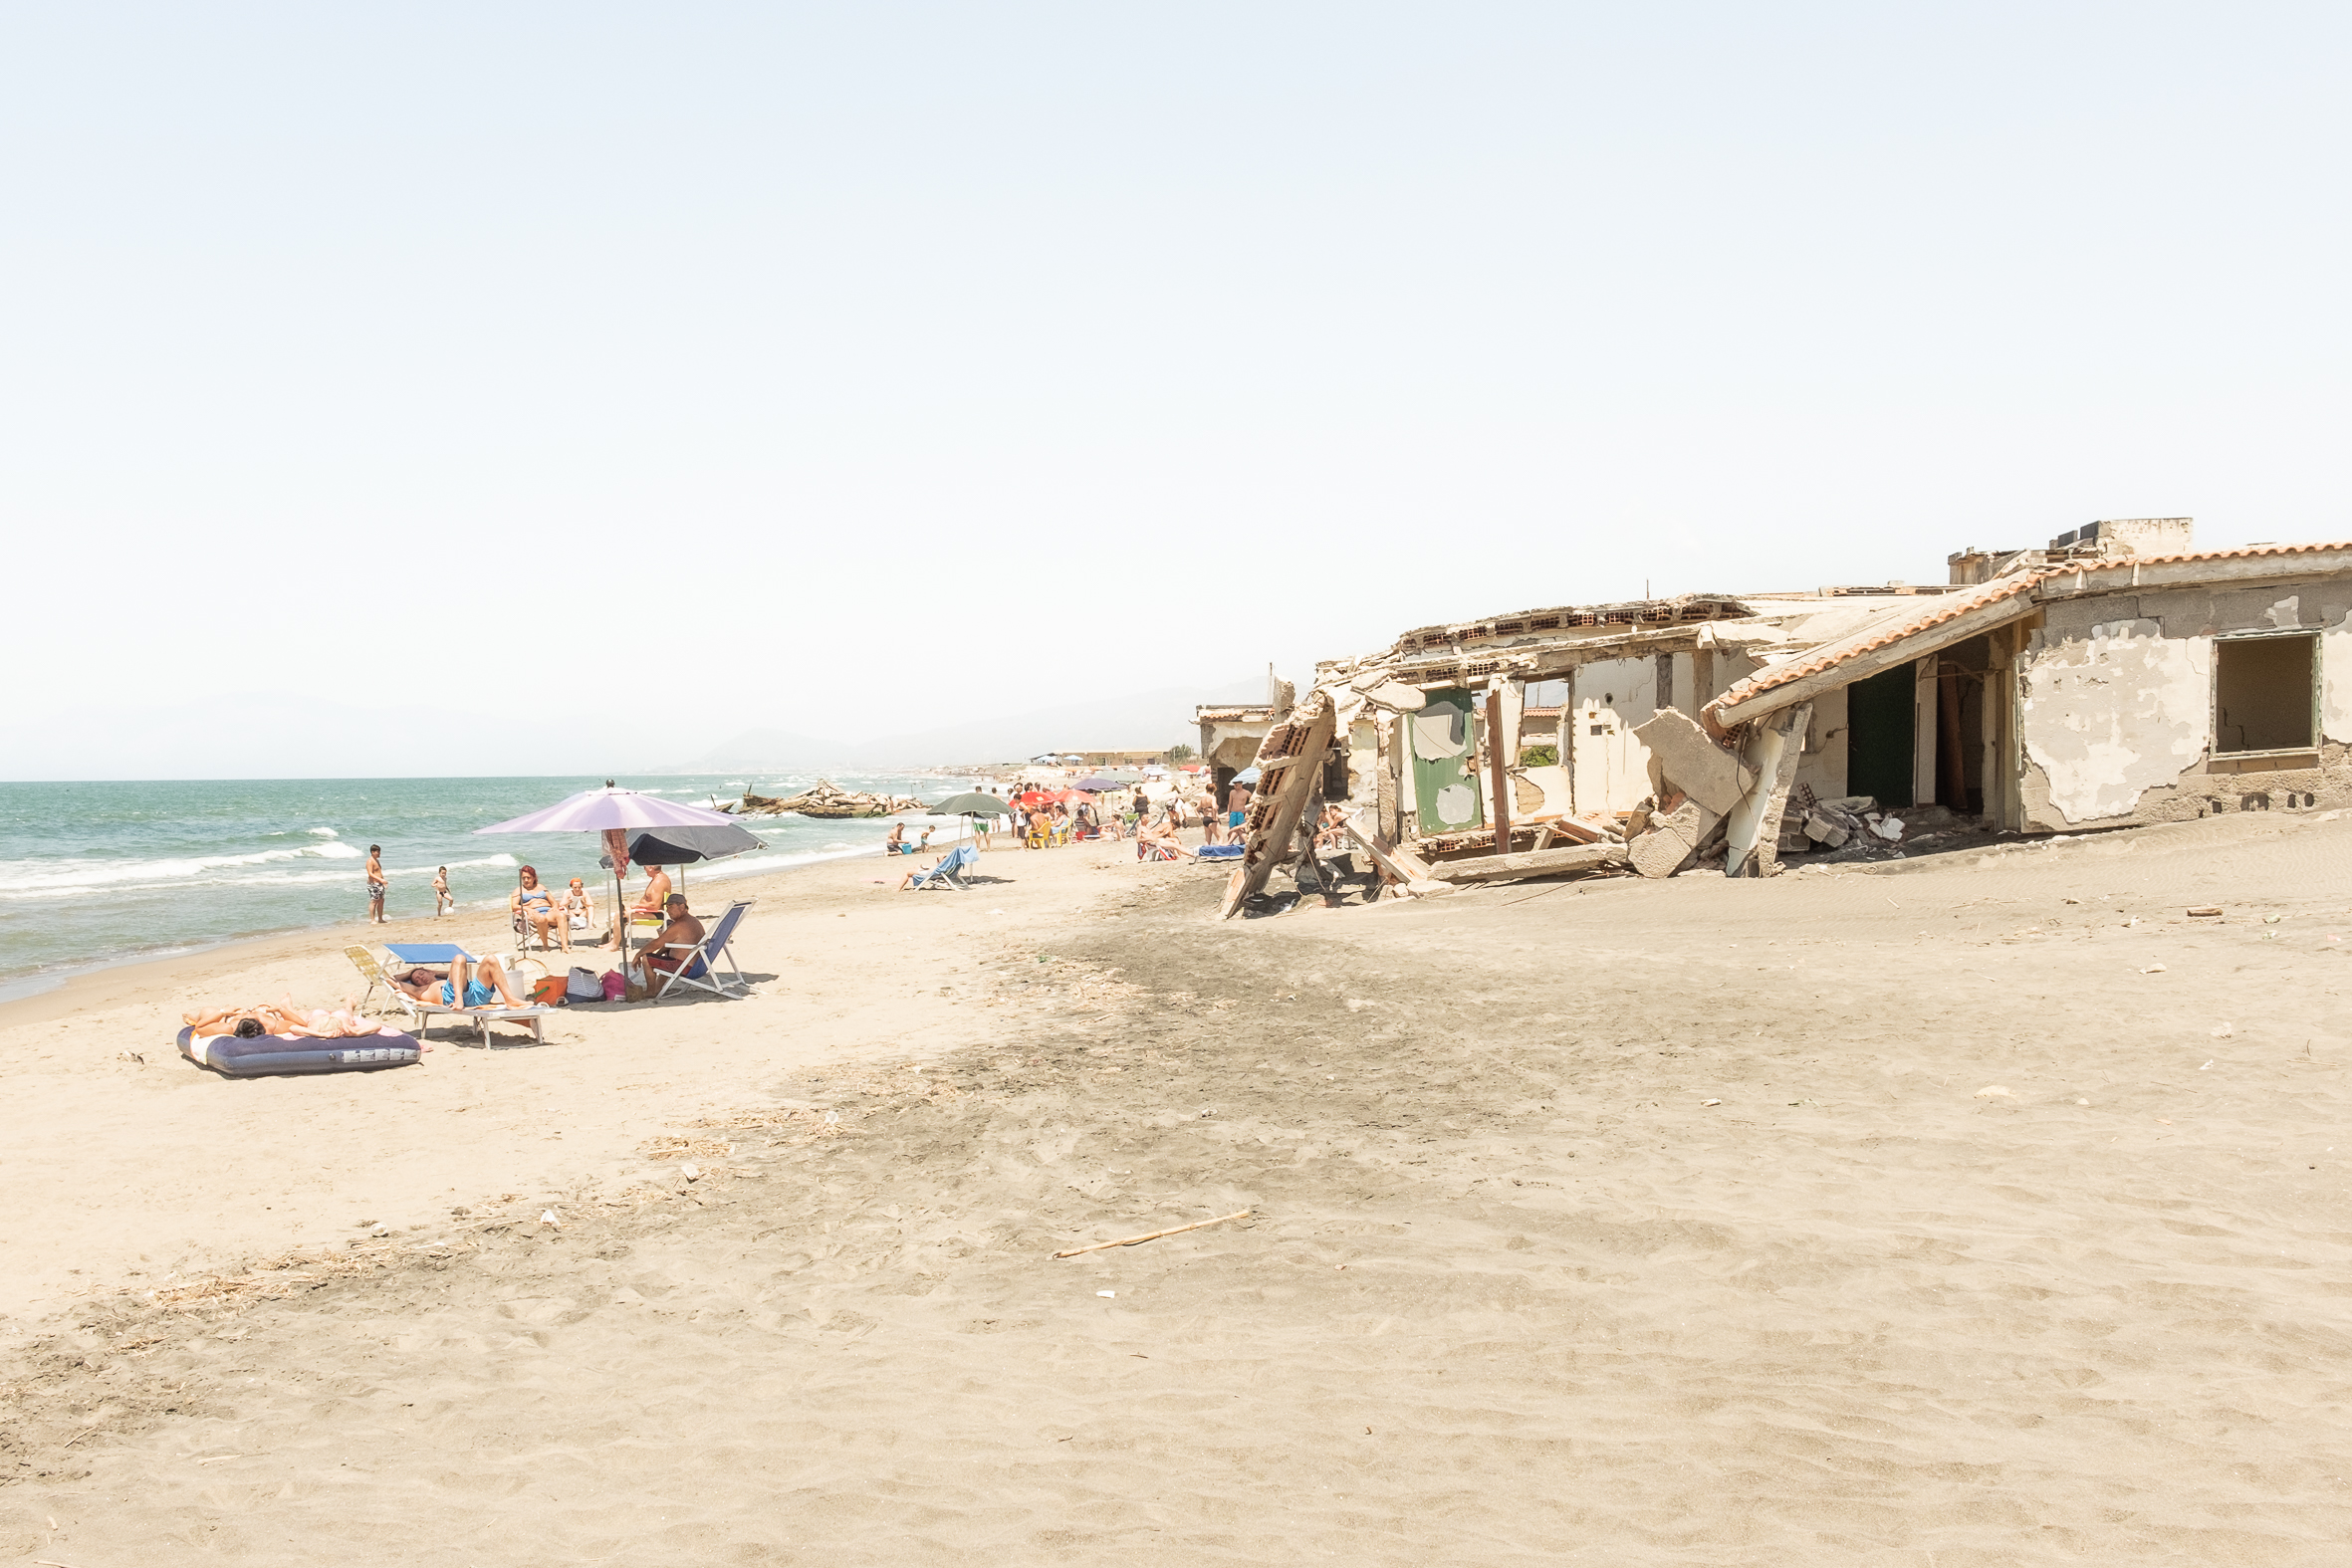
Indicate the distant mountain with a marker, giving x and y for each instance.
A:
(1132, 722)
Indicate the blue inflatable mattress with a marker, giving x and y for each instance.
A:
(257, 1055)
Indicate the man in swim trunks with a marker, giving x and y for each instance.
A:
(376, 885)
(479, 981)
(671, 949)
(649, 903)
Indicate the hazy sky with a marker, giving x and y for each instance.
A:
(708, 367)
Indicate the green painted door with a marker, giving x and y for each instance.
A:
(1445, 763)
(1880, 714)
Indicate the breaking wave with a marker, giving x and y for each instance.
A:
(42, 876)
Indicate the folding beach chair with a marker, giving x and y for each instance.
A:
(949, 870)
(373, 972)
(700, 969)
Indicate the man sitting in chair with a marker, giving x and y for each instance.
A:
(661, 962)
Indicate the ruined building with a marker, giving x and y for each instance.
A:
(2116, 676)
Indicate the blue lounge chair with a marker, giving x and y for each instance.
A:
(700, 970)
(949, 870)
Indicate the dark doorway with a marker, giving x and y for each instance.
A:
(1880, 713)
(1960, 673)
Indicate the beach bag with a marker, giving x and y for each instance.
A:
(582, 986)
(614, 984)
(548, 993)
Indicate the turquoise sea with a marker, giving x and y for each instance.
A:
(102, 873)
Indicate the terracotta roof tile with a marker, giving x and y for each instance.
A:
(1934, 612)
(1881, 632)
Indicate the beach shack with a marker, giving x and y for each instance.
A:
(2115, 676)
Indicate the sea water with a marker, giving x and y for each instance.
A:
(104, 873)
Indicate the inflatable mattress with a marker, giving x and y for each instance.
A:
(255, 1055)
(1220, 851)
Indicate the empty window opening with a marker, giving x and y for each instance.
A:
(2262, 693)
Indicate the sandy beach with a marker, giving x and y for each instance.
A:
(1974, 1210)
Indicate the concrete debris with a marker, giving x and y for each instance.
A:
(1526, 864)
(1672, 840)
(1828, 826)
(1683, 758)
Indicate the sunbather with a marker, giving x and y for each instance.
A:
(482, 983)
(1157, 841)
(649, 906)
(284, 1017)
(535, 907)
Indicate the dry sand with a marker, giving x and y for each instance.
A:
(1624, 1223)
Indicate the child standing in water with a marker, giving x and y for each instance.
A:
(376, 887)
(442, 902)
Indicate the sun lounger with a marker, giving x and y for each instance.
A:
(698, 972)
(481, 1017)
(949, 870)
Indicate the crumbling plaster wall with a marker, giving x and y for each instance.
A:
(2115, 709)
(1822, 768)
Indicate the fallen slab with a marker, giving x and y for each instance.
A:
(1529, 862)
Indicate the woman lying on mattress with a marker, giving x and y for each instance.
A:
(486, 985)
(285, 1017)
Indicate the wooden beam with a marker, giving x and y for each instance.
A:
(1544, 862)
(1403, 865)
(1497, 769)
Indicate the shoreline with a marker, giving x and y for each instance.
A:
(50, 985)
(846, 972)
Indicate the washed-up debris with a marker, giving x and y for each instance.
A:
(2206, 911)
(1992, 1092)
(1152, 1235)
(828, 799)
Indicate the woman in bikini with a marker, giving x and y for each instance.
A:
(535, 907)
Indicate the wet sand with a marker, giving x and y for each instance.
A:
(1626, 1223)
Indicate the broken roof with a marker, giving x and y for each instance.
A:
(1682, 609)
(1933, 623)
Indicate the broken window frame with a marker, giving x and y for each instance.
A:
(2310, 746)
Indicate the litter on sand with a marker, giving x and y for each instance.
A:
(2153, 968)
(1153, 1235)
(2206, 910)
(1111, 1295)
(1992, 1092)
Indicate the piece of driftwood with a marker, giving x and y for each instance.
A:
(1153, 1235)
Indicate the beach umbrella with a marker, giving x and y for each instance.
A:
(973, 803)
(1247, 776)
(682, 846)
(1096, 785)
(614, 812)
